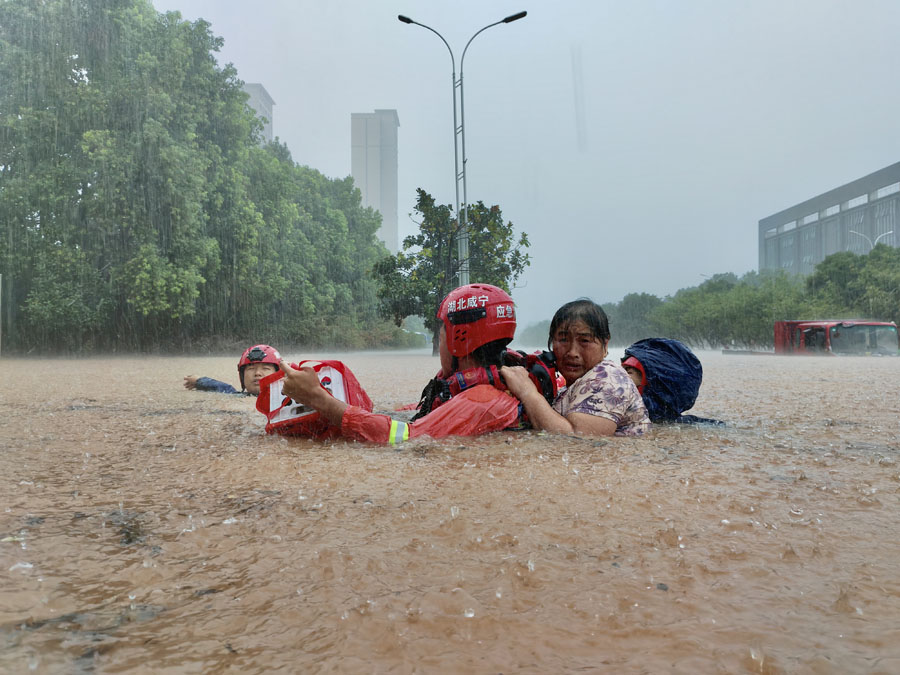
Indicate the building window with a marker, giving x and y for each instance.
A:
(787, 227)
(831, 210)
(858, 201)
(786, 255)
(887, 190)
(811, 218)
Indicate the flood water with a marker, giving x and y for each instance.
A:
(149, 529)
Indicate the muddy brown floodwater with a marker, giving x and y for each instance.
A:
(149, 529)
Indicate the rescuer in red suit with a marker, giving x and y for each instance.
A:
(255, 363)
(478, 321)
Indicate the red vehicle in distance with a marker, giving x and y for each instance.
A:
(837, 336)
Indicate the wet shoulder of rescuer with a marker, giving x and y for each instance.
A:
(477, 322)
(600, 399)
(255, 363)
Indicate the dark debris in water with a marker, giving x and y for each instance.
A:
(779, 478)
(131, 530)
(92, 624)
(662, 587)
(828, 422)
(163, 413)
(206, 591)
(82, 405)
(254, 503)
(860, 445)
(128, 524)
(86, 662)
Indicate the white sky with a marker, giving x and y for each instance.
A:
(700, 117)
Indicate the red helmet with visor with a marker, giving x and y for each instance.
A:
(475, 315)
(257, 354)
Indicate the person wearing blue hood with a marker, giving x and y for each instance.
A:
(668, 376)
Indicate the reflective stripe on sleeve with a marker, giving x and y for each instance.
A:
(399, 432)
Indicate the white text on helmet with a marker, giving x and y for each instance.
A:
(467, 303)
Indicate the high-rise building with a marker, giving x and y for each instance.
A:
(373, 165)
(262, 103)
(853, 217)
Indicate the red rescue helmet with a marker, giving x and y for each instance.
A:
(257, 354)
(475, 315)
(632, 362)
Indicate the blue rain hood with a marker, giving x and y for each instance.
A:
(673, 374)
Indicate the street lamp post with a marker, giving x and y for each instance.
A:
(871, 243)
(884, 234)
(459, 141)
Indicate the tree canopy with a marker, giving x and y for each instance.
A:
(138, 208)
(416, 279)
(729, 311)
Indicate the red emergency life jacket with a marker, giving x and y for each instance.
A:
(541, 368)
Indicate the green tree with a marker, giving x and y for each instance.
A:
(834, 285)
(861, 286)
(416, 279)
(630, 318)
(137, 208)
(100, 124)
(725, 310)
(879, 281)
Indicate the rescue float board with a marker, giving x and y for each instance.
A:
(331, 379)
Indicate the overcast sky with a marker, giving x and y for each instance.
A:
(637, 142)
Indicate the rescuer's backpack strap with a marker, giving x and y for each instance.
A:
(541, 368)
(460, 381)
(436, 392)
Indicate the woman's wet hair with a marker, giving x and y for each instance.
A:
(582, 309)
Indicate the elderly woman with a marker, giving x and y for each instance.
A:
(600, 398)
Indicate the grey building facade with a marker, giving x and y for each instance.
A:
(853, 217)
(373, 165)
(262, 103)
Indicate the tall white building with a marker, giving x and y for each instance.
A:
(373, 165)
(262, 103)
